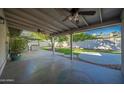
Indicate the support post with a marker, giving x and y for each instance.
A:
(122, 43)
(122, 49)
(71, 48)
(53, 45)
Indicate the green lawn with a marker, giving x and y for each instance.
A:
(77, 51)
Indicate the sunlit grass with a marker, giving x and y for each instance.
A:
(77, 51)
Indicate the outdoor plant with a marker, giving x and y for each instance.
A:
(17, 46)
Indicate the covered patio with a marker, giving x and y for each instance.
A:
(42, 67)
(45, 66)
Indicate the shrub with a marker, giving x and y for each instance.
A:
(17, 45)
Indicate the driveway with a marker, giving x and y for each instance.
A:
(101, 58)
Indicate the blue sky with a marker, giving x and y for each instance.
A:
(105, 30)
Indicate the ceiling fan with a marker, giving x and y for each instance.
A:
(75, 13)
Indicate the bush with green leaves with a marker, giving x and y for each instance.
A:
(17, 45)
(14, 32)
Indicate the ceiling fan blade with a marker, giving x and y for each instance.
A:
(87, 12)
(72, 10)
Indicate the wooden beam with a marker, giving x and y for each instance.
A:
(28, 14)
(100, 14)
(23, 27)
(56, 16)
(21, 19)
(18, 22)
(14, 21)
(84, 20)
(25, 15)
(45, 17)
(90, 27)
(20, 27)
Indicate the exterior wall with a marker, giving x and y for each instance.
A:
(122, 42)
(3, 30)
(45, 43)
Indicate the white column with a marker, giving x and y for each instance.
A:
(71, 46)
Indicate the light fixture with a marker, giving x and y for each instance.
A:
(2, 20)
(40, 31)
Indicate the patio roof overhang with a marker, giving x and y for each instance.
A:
(50, 20)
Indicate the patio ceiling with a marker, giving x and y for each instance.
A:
(50, 20)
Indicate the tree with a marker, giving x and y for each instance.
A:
(14, 32)
(42, 37)
(61, 39)
(39, 36)
(82, 37)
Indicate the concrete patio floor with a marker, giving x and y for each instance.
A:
(43, 67)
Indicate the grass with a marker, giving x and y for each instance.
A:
(98, 50)
(77, 51)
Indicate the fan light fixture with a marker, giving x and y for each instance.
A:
(75, 13)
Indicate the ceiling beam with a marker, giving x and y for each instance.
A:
(10, 20)
(84, 20)
(20, 27)
(23, 27)
(90, 27)
(45, 17)
(13, 21)
(21, 19)
(56, 16)
(25, 15)
(100, 15)
(33, 16)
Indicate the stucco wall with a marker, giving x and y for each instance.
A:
(3, 29)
